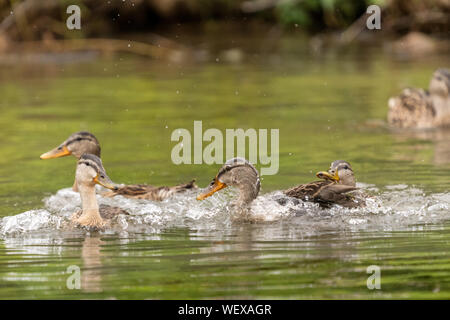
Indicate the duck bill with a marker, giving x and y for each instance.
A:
(211, 190)
(327, 176)
(105, 182)
(56, 153)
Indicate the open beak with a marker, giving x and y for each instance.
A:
(56, 153)
(105, 182)
(211, 190)
(327, 176)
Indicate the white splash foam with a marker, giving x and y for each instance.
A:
(30, 221)
(398, 206)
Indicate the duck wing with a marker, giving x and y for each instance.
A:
(144, 191)
(336, 194)
(307, 191)
(326, 193)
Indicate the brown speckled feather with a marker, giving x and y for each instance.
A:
(308, 190)
(324, 192)
(108, 212)
(412, 108)
(143, 191)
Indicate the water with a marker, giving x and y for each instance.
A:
(328, 106)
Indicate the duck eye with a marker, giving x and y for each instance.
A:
(102, 176)
(87, 163)
(346, 167)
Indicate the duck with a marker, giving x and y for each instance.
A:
(89, 172)
(422, 109)
(332, 189)
(84, 142)
(240, 173)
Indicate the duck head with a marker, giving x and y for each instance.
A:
(440, 83)
(340, 172)
(90, 171)
(236, 172)
(77, 144)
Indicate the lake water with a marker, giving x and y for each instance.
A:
(327, 105)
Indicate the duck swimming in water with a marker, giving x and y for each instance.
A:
(80, 143)
(242, 174)
(418, 108)
(90, 172)
(333, 189)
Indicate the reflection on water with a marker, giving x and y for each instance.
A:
(183, 248)
(91, 255)
(245, 261)
(438, 138)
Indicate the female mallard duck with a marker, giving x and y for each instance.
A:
(418, 108)
(90, 172)
(333, 189)
(80, 143)
(240, 173)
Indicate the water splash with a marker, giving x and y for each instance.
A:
(395, 207)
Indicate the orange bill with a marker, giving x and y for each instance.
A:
(211, 190)
(105, 182)
(56, 153)
(327, 176)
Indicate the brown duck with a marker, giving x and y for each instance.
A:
(82, 142)
(236, 172)
(239, 173)
(90, 172)
(418, 108)
(333, 189)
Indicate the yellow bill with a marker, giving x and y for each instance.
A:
(327, 176)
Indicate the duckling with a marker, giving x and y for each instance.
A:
(90, 172)
(83, 142)
(418, 108)
(240, 173)
(333, 189)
